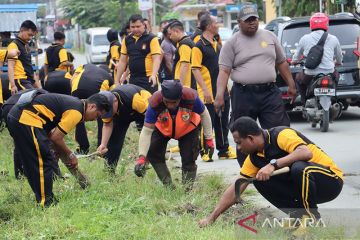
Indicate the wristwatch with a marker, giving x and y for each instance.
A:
(273, 162)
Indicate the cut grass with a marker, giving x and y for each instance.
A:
(118, 207)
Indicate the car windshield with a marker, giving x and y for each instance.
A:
(100, 40)
(346, 33)
(225, 33)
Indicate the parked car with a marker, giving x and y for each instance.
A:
(96, 45)
(346, 28)
(273, 25)
(225, 34)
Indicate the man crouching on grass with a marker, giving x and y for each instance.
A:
(313, 178)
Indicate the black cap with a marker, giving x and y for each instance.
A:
(171, 89)
(110, 97)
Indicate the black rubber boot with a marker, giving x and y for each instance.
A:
(163, 173)
(188, 179)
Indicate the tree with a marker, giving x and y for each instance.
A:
(295, 8)
(22, 1)
(98, 13)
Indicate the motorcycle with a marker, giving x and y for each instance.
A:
(319, 106)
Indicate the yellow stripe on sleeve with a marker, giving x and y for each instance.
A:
(185, 53)
(288, 140)
(155, 46)
(123, 47)
(63, 55)
(196, 58)
(248, 169)
(69, 120)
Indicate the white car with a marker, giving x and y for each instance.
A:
(96, 45)
(225, 34)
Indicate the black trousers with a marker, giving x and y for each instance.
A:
(144, 83)
(264, 104)
(116, 141)
(22, 84)
(35, 155)
(18, 165)
(188, 150)
(298, 192)
(82, 138)
(220, 128)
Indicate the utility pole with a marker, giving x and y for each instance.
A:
(320, 5)
(280, 8)
(342, 6)
(154, 13)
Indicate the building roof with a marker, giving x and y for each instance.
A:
(18, 7)
(12, 15)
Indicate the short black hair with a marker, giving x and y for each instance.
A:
(176, 24)
(101, 102)
(59, 36)
(136, 17)
(112, 35)
(245, 126)
(163, 21)
(165, 30)
(124, 29)
(202, 13)
(28, 24)
(205, 21)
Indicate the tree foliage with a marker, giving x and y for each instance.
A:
(295, 8)
(98, 13)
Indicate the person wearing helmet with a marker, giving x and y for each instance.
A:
(173, 112)
(319, 24)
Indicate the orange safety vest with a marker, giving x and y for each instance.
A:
(185, 120)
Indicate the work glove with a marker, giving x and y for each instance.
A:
(207, 151)
(209, 147)
(140, 167)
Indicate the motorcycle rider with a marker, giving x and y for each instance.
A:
(319, 23)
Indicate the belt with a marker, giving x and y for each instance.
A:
(263, 87)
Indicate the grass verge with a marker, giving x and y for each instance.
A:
(119, 207)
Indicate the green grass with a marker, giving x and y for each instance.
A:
(118, 207)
